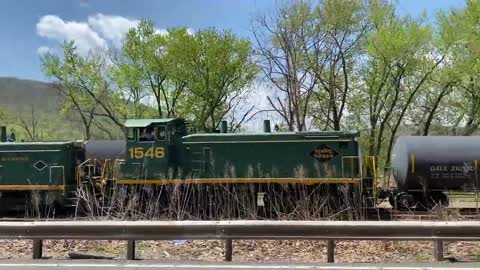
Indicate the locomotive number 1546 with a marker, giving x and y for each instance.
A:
(152, 152)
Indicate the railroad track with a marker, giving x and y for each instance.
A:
(443, 214)
(373, 214)
(31, 219)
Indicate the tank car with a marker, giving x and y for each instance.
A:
(425, 167)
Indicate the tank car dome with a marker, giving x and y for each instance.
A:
(105, 149)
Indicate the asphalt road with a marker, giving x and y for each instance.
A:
(130, 265)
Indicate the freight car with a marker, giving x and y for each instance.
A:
(425, 168)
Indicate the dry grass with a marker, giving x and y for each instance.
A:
(222, 201)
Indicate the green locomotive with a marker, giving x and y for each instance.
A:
(171, 155)
(46, 170)
(160, 152)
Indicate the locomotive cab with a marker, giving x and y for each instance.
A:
(153, 149)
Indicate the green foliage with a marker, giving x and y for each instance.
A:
(20, 97)
(84, 83)
(335, 64)
(201, 77)
(459, 37)
(219, 71)
(3, 115)
(152, 65)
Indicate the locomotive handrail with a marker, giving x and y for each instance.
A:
(79, 170)
(228, 230)
(105, 172)
(92, 172)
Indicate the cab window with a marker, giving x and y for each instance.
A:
(132, 132)
(147, 135)
(161, 133)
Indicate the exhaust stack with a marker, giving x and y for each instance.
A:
(3, 134)
(224, 127)
(266, 126)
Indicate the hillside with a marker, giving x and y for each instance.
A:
(17, 93)
(18, 97)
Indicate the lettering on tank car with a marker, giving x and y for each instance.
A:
(464, 169)
(438, 168)
(323, 153)
(451, 171)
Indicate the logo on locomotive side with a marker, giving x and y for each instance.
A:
(323, 153)
(14, 158)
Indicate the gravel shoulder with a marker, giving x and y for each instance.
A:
(251, 251)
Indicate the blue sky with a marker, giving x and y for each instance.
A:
(28, 27)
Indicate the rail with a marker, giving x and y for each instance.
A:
(232, 230)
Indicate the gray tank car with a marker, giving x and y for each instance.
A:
(424, 167)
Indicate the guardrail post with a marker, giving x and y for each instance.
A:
(131, 250)
(330, 251)
(37, 249)
(438, 250)
(228, 250)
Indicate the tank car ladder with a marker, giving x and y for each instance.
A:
(369, 175)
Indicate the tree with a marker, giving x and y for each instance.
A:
(3, 115)
(219, 71)
(152, 64)
(30, 125)
(86, 86)
(459, 29)
(308, 53)
(337, 37)
(74, 98)
(280, 47)
(400, 59)
(201, 77)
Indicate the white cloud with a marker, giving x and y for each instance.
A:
(190, 31)
(161, 32)
(98, 32)
(86, 39)
(43, 50)
(111, 27)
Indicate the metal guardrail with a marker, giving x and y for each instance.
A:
(231, 230)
